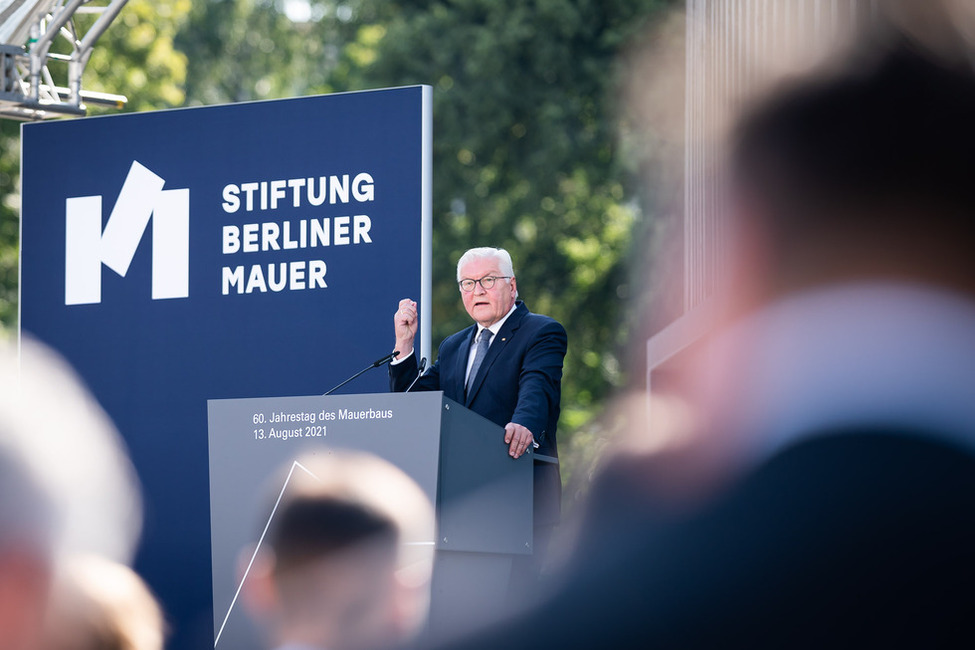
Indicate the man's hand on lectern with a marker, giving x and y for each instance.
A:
(518, 438)
(404, 324)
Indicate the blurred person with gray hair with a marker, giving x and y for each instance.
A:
(66, 485)
(823, 494)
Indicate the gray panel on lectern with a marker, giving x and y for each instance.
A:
(485, 495)
(253, 440)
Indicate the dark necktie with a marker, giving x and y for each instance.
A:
(483, 342)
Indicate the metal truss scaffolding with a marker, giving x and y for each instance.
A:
(28, 29)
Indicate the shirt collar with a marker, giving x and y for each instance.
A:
(497, 326)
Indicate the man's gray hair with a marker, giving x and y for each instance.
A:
(487, 252)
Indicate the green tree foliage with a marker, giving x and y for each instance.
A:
(136, 58)
(240, 50)
(9, 223)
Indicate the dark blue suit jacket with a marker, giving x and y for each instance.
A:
(518, 381)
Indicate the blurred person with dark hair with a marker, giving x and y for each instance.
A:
(825, 496)
(66, 485)
(348, 556)
(97, 604)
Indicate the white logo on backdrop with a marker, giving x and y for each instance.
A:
(87, 247)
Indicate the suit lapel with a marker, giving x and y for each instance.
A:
(501, 340)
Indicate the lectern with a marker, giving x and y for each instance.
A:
(483, 497)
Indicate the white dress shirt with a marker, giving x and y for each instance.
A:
(852, 355)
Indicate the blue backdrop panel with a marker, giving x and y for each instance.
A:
(171, 189)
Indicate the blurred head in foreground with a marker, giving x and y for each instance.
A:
(98, 604)
(848, 231)
(66, 485)
(861, 172)
(854, 218)
(347, 559)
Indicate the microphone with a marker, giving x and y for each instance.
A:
(375, 364)
(419, 373)
(381, 362)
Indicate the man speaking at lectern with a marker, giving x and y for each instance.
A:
(507, 367)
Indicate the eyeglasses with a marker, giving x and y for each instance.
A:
(487, 282)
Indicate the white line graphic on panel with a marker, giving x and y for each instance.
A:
(259, 542)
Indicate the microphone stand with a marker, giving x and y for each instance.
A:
(375, 364)
(419, 373)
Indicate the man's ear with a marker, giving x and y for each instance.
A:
(748, 279)
(259, 591)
